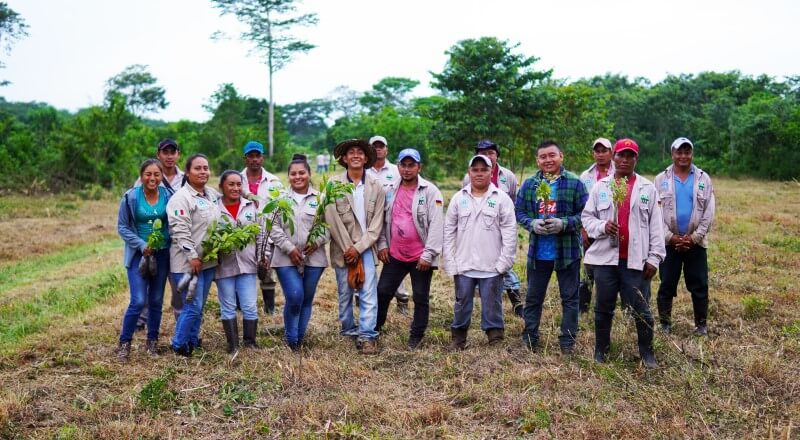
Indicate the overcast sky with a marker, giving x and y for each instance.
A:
(75, 46)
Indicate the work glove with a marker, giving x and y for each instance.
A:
(553, 225)
(539, 227)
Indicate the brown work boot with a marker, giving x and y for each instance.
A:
(369, 347)
(458, 340)
(124, 351)
(495, 336)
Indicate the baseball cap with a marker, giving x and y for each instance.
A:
(482, 157)
(409, 152)
(680, 141)
(253, 146)
(168, 143)
(602, 141)
(486, 144)
(626, 144)
(374, 139)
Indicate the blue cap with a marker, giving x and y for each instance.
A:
(253, 146)
(409, 152)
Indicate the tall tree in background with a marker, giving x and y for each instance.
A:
(389, 92)
(139, 88)
(269, 22)
(12, 28)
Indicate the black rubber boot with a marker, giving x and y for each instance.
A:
(250, 328)
(231, 334)
(602, 340)
(700, 306)
(494, 336)
(268, 295)
(644, 331)
(516, 302)
(584, 296)
(665, 310)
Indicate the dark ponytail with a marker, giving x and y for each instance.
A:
(298, 158)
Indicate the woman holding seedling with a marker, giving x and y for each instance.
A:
(236, 272)
(190, 211)
(142, 224)
(299, 256)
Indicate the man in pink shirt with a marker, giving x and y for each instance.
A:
(411, 242)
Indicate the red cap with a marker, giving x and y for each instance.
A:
(626, 144)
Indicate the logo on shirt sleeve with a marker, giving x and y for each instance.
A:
(439, 203)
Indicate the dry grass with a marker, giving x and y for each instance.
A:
(742, 381)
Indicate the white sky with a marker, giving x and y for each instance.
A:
(75, 46)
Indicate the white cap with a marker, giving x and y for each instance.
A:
(680, 141)
(482, 157)
(374, 139)
(602, 141)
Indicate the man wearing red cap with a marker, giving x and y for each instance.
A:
(627, 264)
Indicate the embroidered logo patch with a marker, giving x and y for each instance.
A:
(249, 216)
(389, 177)
(503, 179)
(644, 198)
(463, 203)
(664, 185)
(202, 204)
(491, 202)
(702, 185)
(439, 203)
(313, 204)
(421, 201)
(603, 196)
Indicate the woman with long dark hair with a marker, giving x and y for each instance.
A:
(299, 265)
(141, 209)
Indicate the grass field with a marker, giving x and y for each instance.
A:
(63, 293)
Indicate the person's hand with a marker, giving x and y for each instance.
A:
(296, 256)
(649, 271)
(383, 255)
(539, 228)
(147, 251)
(310, 249)
(423, 265)
(585, 238)
(197, 265)
(554, 225)
(611, 228)
(351, 255)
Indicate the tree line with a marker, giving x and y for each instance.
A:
(741, 125)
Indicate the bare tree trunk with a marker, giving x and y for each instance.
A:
(271, 115)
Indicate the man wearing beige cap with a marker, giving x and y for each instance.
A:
(602, 167)
(388, 175)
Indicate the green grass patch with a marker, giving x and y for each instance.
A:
(754, 306)
(22, 318)
(156, 395)
(30, 270)
(785, 242)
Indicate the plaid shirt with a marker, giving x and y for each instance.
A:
(571, 197)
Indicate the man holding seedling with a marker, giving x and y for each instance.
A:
(355, 223)
(602, 167)
(388, 175)
(623, 216)
(506, 181)
(411, 242)
(257, 181)
(480, 244)
(688, 204)
(549, 206)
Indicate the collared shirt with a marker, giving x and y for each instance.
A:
(406, 245)
(358, 201)
(684, 201)
(592, 175)
(570, 199)
(388, 176)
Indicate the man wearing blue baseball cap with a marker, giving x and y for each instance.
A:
(256, 185)
(411, 242)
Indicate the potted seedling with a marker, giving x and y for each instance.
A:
(619, 190)
(148, 266)
(331, 191)
(543, 193)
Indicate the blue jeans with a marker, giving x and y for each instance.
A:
(241, 287)
(491, 291)
(367, 301)
(568, 281)
(187, 328)
(145, 292)
(299, 291)
(511, 280)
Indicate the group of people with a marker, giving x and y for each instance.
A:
(622, 226)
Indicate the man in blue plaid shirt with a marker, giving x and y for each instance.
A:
(554, 242)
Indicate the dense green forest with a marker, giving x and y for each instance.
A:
(741, 125)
